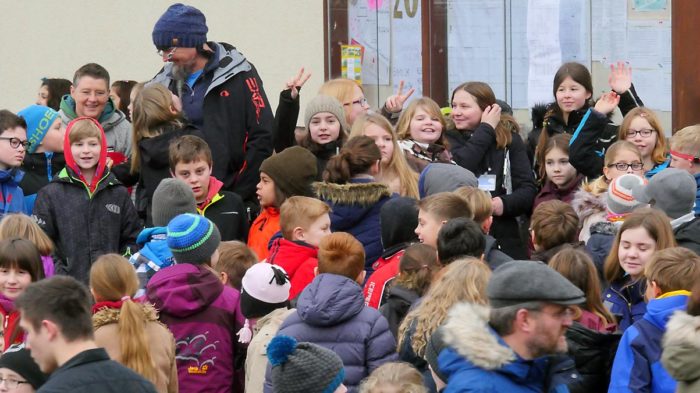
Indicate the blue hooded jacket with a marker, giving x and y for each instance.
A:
(153, 256)
(12, 195)
(637, 366)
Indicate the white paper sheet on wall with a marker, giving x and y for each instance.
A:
(476, 43)
(519, 56)
(544, 49)
(406, 46)
(649, 54)
(609, 30)
(368, 25)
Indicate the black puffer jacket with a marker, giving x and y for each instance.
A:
(477, 152)
(398, 302)
(593, 353)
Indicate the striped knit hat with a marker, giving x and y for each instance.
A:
(192, 239)
(620, 199)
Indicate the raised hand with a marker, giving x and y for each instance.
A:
(394, 103)
(491, 115)
(620, 78)
(295, 83)
(607, 102)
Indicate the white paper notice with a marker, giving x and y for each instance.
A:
(368, 25)
(649, 54)
(543, 47)
(519, 56)
(406, 46)
(609, 30)
(573, 31)
(476, 43)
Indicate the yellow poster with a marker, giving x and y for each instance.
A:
(351, 62)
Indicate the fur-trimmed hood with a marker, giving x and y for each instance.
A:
(605, 228)
(355, 193)
(681, 345)
(586, 204)
(105, 316)
(468, 333)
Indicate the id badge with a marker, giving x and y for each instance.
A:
(487, 182)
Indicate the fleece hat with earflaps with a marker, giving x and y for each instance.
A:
(264, 288)
(39, 120)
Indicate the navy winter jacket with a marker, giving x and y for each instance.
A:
(331, 312)
(625, 301)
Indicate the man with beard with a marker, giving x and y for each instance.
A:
(221, 93)
(510, 347)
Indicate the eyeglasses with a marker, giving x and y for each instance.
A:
(645, 133)
(11, 384)
(15, 142)
(361, 102)
(622, 166)
(170, 51)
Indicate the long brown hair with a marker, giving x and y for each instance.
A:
(152, 114)
(657, 225)
(464, 280)
(578, 268)
(579, 74)
(484, 97)
(112, 278)
(559, 141)
(21, 225)
(397, 165)
(658, 155)
(356, 157)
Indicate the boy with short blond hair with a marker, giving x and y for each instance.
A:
(434, 211)
(234, 259)
(85, 210)
(331, 312)
(670, 275)
(191, 161)
(304, 222)
(685, 154)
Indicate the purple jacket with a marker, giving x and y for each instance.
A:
(203, 315)
(331, 312)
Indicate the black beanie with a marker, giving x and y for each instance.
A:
(398, 218)
(18, 359)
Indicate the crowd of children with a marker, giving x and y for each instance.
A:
(378, 256)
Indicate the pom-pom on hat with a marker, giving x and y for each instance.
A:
(293, 170)
(180, 26)
(323, 103)
(620, 199)
(264, 288)
(39, 120)
(303, 367)
(172, 197)
(192, 238)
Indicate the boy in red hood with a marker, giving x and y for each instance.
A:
(85, 210)
(304, 222)
(191, 162)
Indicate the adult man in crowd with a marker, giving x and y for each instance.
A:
(507, 348)
(221, 93)
(56, 315)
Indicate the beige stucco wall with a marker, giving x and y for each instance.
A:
(47, 38)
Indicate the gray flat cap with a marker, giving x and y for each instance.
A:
(518, 282)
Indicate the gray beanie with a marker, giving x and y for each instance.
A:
(442, 177)
(172, 197)
(323, 103)
(672, 191)
(519, 282)
(192, 238)
(303, 367)
(620, 199)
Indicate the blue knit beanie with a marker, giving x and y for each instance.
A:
(192, 238)
(180, 26)
(39, 119)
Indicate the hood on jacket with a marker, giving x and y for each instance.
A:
(468, 333)
(537, 114)
(215, 186)
(440, 177)
(681, 345)
(659, 310)
(329, 300)
(102, 161)
(183, 290)
(105, 316)
(586, 204)
(399, 219)
(605, 228)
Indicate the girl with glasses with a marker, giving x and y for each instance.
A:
(643, 128)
